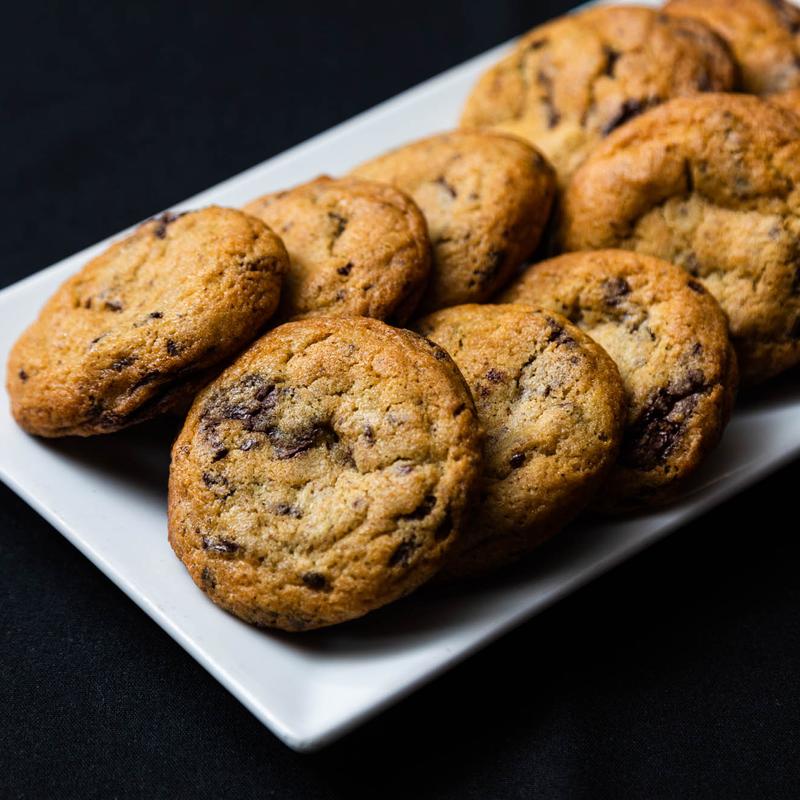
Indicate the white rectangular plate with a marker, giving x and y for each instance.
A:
(108, 496)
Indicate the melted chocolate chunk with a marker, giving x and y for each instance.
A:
(340, 223)
(285, 510)
(345, 270)
(545, 81)
(493, 265)
(172, 348)
(369, 434)
(208, 580)
(111, 305)
(614, 290)
(558, 334)
(218, 545)
(22, 375)
(122, 363)
(661, 424)
(155, 314)
(496, 375)
(517, 460)
(612, 56)
(696, 286)
(162, 222)
(315, 581)
(448, 187)
(402, 553)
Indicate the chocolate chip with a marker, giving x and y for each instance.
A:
(558, 334)
(537, 44)
(517, 460)
(122, 363)
(166, 219)
(659, 427)
(155, 315)
(315, 580)
(695, 286)
(23, 376)
(345, 270)
(217, 545)
(612, 56)
(220, 453)
(402, 553)
(496, 375)
(340, 223)
(208, 580)
(628, 110)
(494, 262)
(285, 510)
(448, 187)
(614, 290)
(369, 434)
(340, 295)
(545, 81)
(112, 305)
(172, 348)
(697, 348)
(288, 444)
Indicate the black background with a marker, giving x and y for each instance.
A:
(674, 676)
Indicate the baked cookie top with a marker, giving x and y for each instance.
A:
(712, 183)
(132, 333)
(324, 473)
(570, 82)
(356, 248)
(790, 100)
(552, 407)
(764, 36)
(486, 198)
(669, 338)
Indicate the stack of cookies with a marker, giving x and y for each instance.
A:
(427, 368)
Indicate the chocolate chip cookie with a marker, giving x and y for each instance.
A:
(486, 198)
(712, 183)
(570, 82)
(669, 338)
(764, 36)
(552, 406)
(323, 474)
(141, 327)
(356, 248)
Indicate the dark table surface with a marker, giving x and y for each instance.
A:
(674, 676)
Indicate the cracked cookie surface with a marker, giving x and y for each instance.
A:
(486, 198)
(323, 474)
(552, 406)
(669, 338)
(711, 183)
(141, 326)
(570, 82)
(356, 248)
(763, 35)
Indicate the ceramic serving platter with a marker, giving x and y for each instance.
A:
(108, 497)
